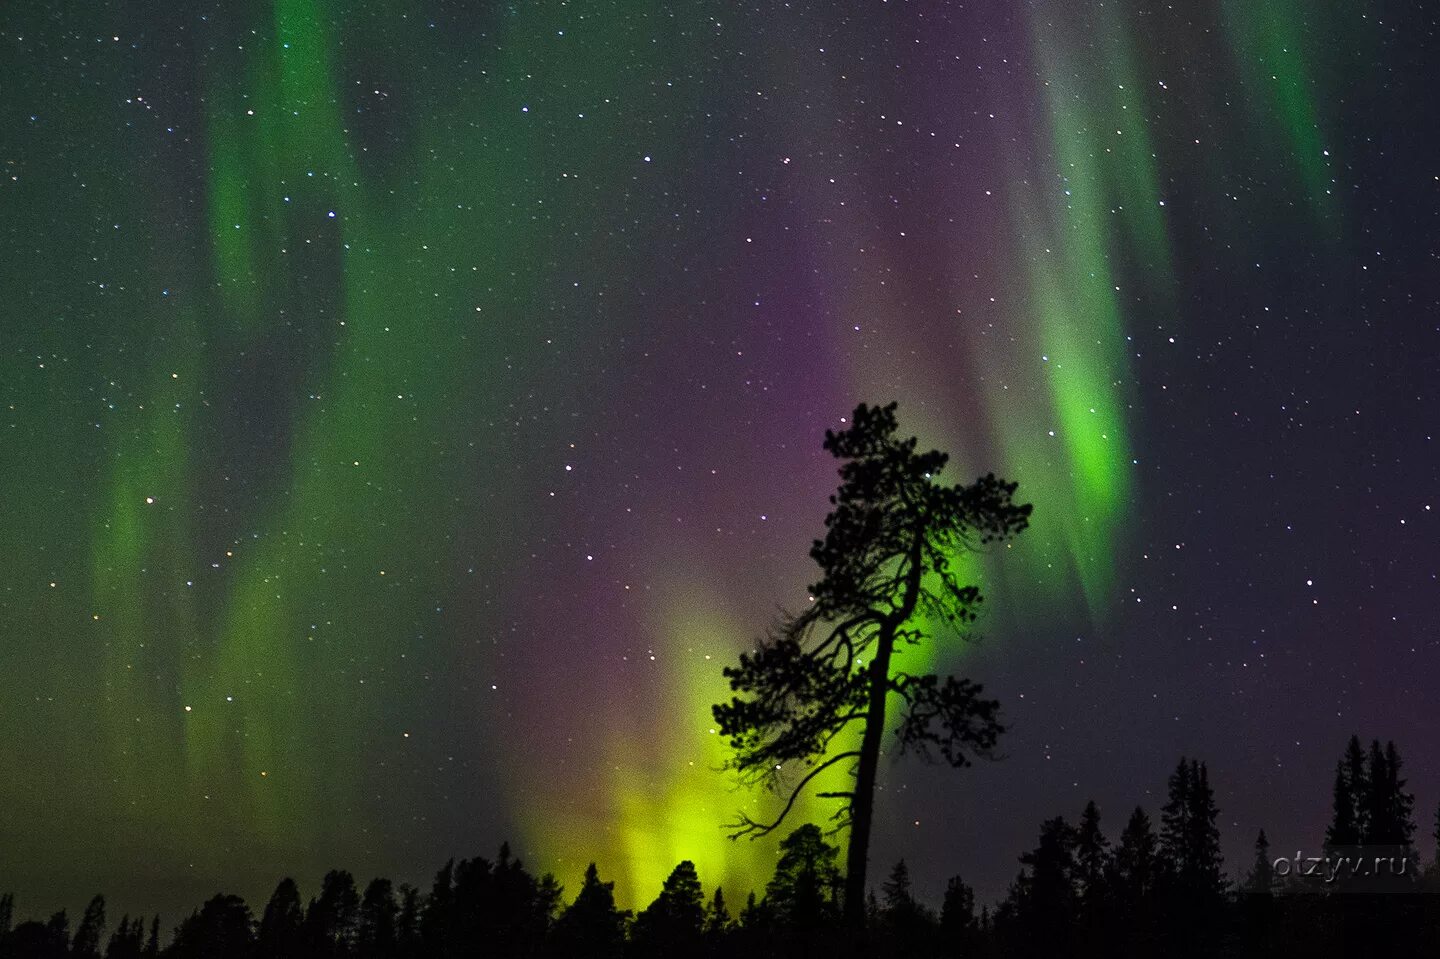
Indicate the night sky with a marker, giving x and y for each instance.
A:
(407, 408)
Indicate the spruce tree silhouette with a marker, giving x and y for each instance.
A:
(331, 919)
(889, 553)
(375, 936)
(1094, 870)
(1344, 828)
(437, 916)
(1192, 879)
(1046, 897)
(1092, 855)
(152, 945)
(1349, 823)
(803, 895)
(281, 924)
(908, 928)
(672, 924)
(1134, 885)
(718, 922)
(407, 923)
(127, 941)
(1389, 808)
(1260, 881)
(220, 930)
(591, 927)
(86, 944)
(1189, 838)
(959, 927)
(1135, 861)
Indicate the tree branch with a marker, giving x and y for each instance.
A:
(745, 826)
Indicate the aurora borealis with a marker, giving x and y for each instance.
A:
(407, 408)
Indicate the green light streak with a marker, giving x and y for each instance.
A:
(1269, 48)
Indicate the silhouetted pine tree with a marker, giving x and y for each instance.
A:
(1045, 899)
(591, 928)
(1352, 788)
(437, 916)
(331, 919)
(1206, 860)
(1189, 838)
(1134, 883)
(1260, 881)
(375, 929)
(756, 931)
(907, 927)
(127, 941)
(1396, 807)
(717, 918)
(152, 945)
(281, 924)
(1344, 828)
(473, 917)
(888, 571)
(959, 927)
(517, 909)
(1258, 908)
(673, 923)
(1135, 861)
(220, 930)
(1093, 875)
(1192, 869)
(407, 923)
(7, 912)
(86, 944)
(803, 895)
(1175, 820)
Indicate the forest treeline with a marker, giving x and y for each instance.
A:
(1159, 888)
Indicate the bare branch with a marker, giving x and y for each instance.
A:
(745, 826)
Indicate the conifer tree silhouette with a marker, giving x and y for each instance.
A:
(1135, 860)
(1344, 828)
(1350, 823)
(804, 892)
(1189, 838)
(281, 922)
(888, 565)
(959, 927)
(152, 945)
(591, 927)
(221, 929)
(1261, 879)
(674, 922)
(1092, 855)
(1389, 808)
(407, 923)
(908, 926)
(331, 919)
(375, 929)
(127, 941)
(718, 922)
(1046, 899)
(86, 944)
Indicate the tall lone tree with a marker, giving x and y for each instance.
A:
(887, 565)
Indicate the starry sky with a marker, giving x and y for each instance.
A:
(408, 407)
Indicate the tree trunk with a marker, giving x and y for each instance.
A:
(862, 804)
